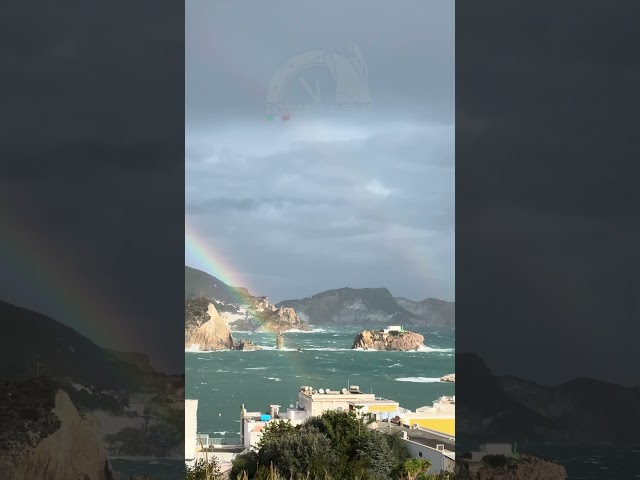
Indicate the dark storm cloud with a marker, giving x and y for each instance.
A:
(549, 186)
(89, 165)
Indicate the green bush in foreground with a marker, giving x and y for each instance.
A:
(334, 446)
(204, 470)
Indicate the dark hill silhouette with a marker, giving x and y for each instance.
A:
(582, 411)
(32, 342)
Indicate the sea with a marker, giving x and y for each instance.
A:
(584, 462)
(154, 468)
(222, 381)
(595, 463)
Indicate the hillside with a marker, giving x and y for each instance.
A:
(352, 306)
(242, 310)
(431, 310)
(582, 411)
(201, 284)
(99, 382)
(30, 338)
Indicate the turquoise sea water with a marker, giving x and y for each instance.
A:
(223, 381)
(157, 469)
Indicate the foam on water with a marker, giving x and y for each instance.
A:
(418, 379)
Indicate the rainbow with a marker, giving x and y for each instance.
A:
(200, 253)
(62, 290)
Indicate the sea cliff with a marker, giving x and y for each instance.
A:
(205, 328)
(45, 437)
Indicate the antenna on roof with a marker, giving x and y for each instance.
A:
(348, 384)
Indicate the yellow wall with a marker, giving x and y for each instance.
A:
(382, 408)
(444, 425)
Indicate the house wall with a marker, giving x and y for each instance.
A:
(438, 461)
(444, 425)
(190, 428)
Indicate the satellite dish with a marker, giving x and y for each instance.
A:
(291, 406)
(321, 391)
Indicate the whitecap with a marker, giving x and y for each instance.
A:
(418, 379)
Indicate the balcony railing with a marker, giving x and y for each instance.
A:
(219, 442)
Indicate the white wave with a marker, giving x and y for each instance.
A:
(395, 365)
(275, 379)
(424, 348)
(297, 330)
(221, 433)
(255, 368)
(271, 347)
(418, 379)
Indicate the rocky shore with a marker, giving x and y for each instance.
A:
(205, 328)
(246, 345)
(379, 340)
(450, 378)
(501, 468)
(44, 436)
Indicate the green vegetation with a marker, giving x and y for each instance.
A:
(208, 469)
(26, 413)
(334, 446)
(497, 461)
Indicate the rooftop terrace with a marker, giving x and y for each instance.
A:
(422, 437)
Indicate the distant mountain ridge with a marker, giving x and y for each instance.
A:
(582, 411)
(366, 307)
(371, 307)
(431, 310)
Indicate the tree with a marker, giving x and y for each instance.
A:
(274, 430)
(208, 469)
(374, 450)
(300, 453)
(416, 468)
(244, 466)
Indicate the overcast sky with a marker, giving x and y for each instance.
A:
(324, 200)
(547, 188)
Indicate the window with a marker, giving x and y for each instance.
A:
(420, 453)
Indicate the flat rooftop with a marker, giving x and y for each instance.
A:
(427, 439)
(377, 401)
(332, 392)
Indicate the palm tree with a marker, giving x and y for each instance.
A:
(415, 467)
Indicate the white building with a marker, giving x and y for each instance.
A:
(492, 449)
(393, 328)
(441, 459)
(313, 403)
(190, 429)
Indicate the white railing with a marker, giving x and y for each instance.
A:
(219, 442)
